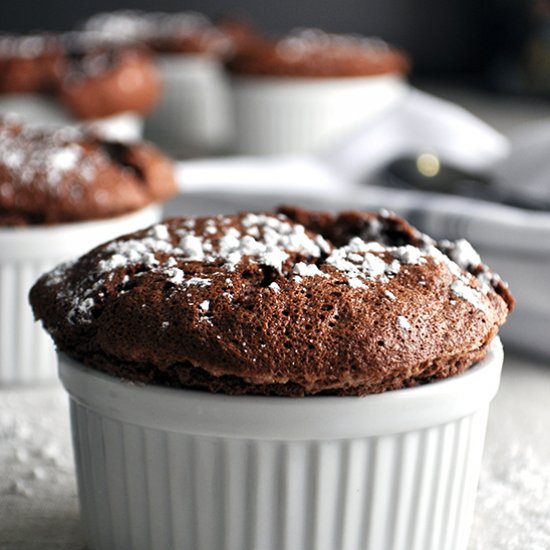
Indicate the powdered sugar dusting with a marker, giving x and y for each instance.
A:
(461, 253)
(27, 47)
(198, 281)
(403, 323)
(275, 287)
(268, 240)
(307, 270)
(409, 255)
(152, 27)
(35, 453)
(366, 262)
(305, 42)
(466, 292)
(175, 275)
(34, 159)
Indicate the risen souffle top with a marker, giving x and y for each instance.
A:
(312, 53)
(66, 176)
(288, 304)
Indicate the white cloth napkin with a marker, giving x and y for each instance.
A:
(515, 242)
(419, 123)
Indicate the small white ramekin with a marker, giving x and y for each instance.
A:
(27, 355)
(193, 116)
(34, 109)
(42, 112)
(306, 115)
(125, 127)
(175, 469)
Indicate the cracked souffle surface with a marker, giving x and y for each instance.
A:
(290, 303)
(49, 177)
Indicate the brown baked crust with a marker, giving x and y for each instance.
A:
(311, 53)
(258, 304)
(394, 231)
(66, 176)
(29, 63)
(101, 78)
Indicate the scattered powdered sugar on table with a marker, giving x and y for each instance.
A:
(513, 503)
(515, 485)
(35, 451)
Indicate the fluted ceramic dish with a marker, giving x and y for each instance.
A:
(307, 115)
(193, 116)
(176, 469)
(27, 353)
(43, 112)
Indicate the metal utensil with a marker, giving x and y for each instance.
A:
(427, 172)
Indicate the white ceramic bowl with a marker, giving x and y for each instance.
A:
(125, 127)
(176, 469)
(291, 115)
(42, 112)
(26, 351)
(34, 109)
(193, 116)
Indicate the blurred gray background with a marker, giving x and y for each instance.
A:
(444, 37)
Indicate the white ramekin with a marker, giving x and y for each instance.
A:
(285, 115)
(43, 112)
(27, 354)
(125, 127)
(193, 116)
(35, 110)
(176, 469)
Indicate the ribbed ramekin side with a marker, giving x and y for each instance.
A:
(145, 488)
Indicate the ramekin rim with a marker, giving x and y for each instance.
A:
(273, 417)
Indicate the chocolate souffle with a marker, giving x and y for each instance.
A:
(29, 63)
(101, 77)
(292, 303)
(51, 177)
(312, 53)
(92, 75)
